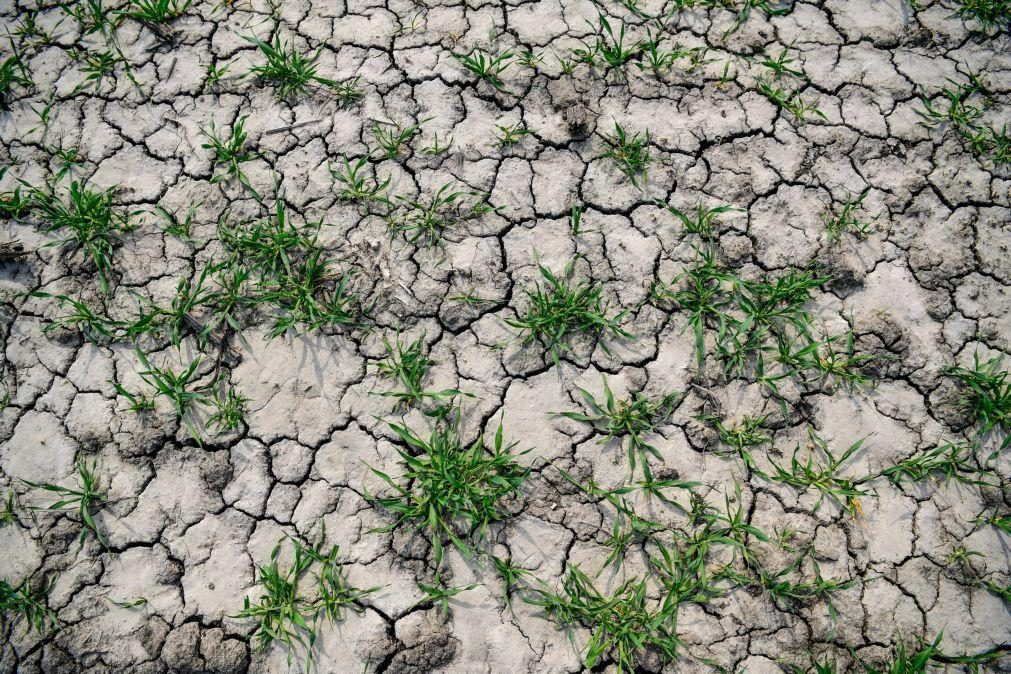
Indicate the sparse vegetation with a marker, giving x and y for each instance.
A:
(452, 492)
(631, 418)
(289, 614)
(561, 308)
(86, 497)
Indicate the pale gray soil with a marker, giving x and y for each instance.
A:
(187, 524)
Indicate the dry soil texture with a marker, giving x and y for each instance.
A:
(769, 567)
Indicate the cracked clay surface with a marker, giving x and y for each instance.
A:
(189, 515)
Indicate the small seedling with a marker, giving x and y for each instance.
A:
(822, 476)
(621, 625)
(355, 186)
(485, 67)
(92, 325)
(992, 16)
(529, 59)
(703, 222)
(84, 499)
(230, 152)
(948, 461)
(286, 614)
(425, 221)
(9, 514)
(510, 135)
(452, 492)
(562, 308)
(630, 418)
(156, 12)
(13, 72)
(842, 220)
(30, 606)
(407, 364)
(177, 387)
(94, 225)
(629, 151)
(393, 139)
(435, 149)
(229, 410)
(287, 69)
(790, 100)
(439, 595)
(987, 397)
(611, 48)
(742, 435)
(215, 74)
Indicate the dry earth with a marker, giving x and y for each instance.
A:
(189, 512)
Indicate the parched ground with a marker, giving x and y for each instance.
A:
(902, 228)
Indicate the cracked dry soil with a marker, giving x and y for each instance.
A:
(190, 511)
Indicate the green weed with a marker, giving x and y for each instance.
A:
(291, 72)
(561, 308)
(631, 418)
(485, 67)
(30, 606)
(408, 364)
(987, 398)
(425, 221)
(286, 614)
(230, 152)
(92, 224)
(452, 492)
(630, 152)
(622, 625)
(822, 475)
(842, 220)
(84, 498)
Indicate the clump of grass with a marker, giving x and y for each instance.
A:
(843, 220)
(992, 16)
(29, 605)
(230, 152)
(948, 461)
(9, 513)
(92, 325)
(485, 67)
(291, 72)
(84, 498)
(408, 364)
(822, 476)
(622, 625)
(956, 110)
(177, 387)
(358, 187)
(819, 588)
(13, 73)
(741, 435)
(156, 12)
(451, 492)
(562, 308)
(425, 221)
(630, 151)
(611, 48)
(761, 328)
(790, 100)
(229, 410)
(290, 616)
(510, 134)
(92, 224)
(631, 418)
(703, 222)
(394, 140)
(987, 398)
